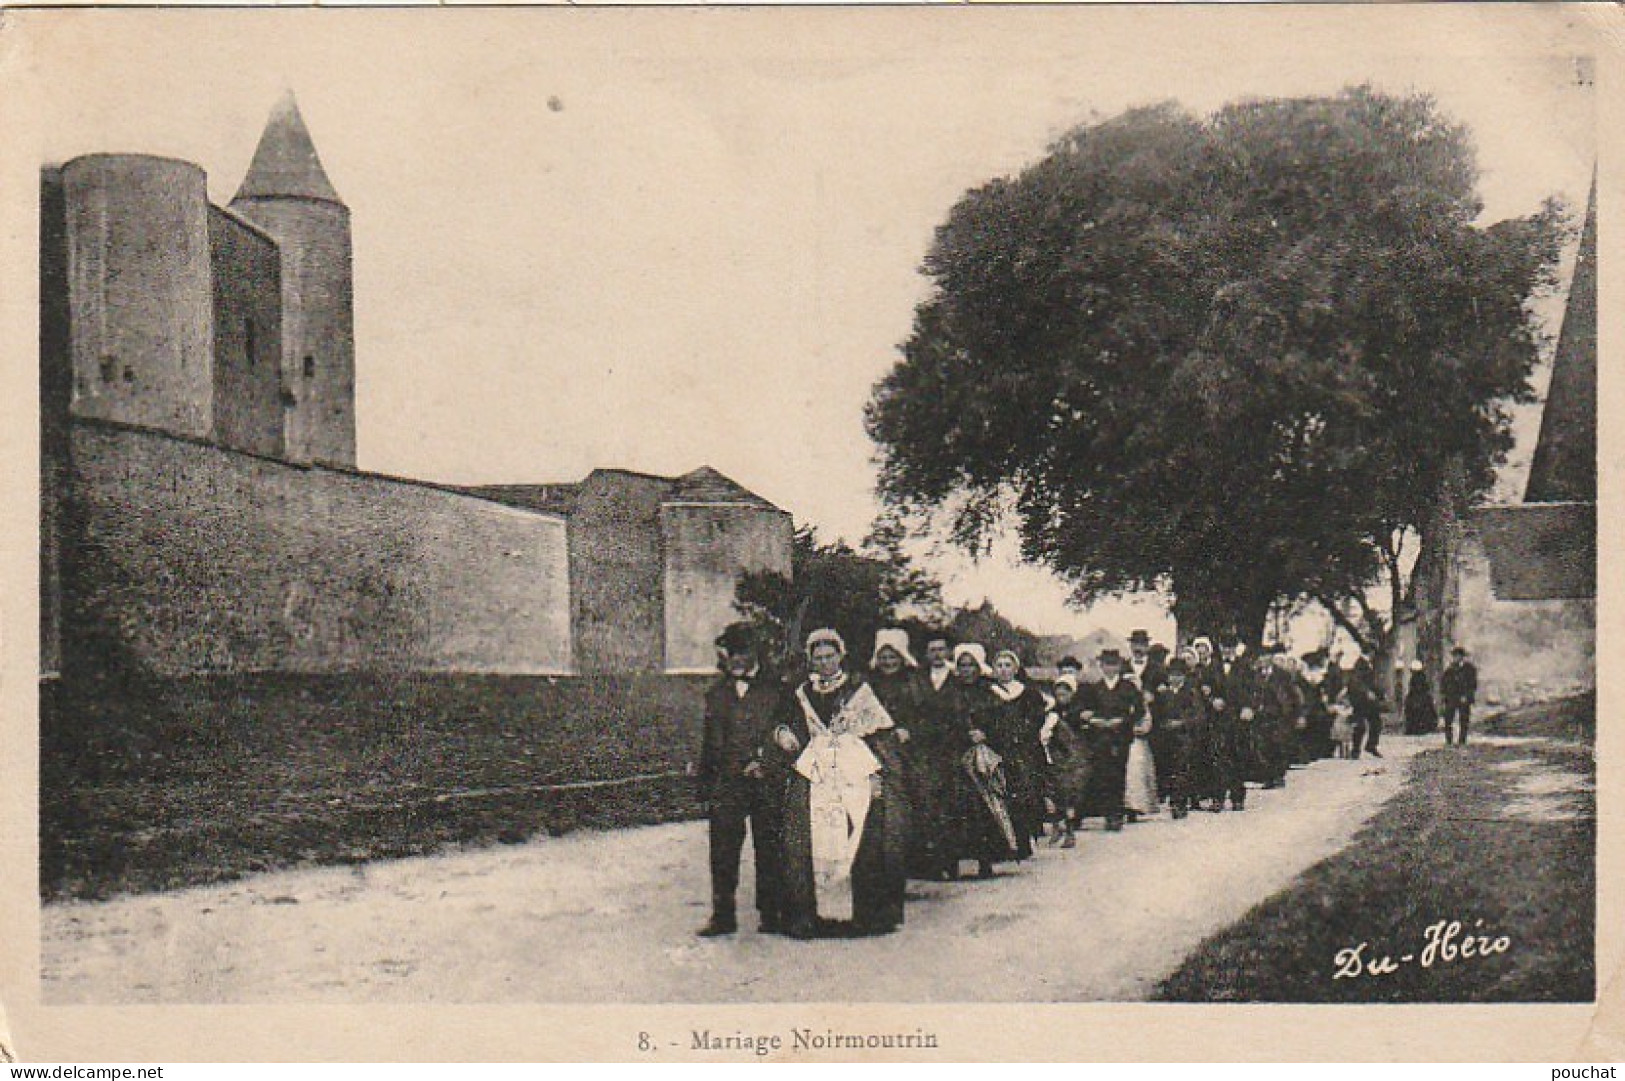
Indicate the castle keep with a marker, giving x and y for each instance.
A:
(201, 509)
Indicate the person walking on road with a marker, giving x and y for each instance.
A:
(1365, 699)
(1459, 689)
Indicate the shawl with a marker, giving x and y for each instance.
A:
(838, 765)
(986, 771)
(1011, 692)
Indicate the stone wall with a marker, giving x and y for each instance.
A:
(708, 546)
(615, 572)
(181, 557)
(247, 336)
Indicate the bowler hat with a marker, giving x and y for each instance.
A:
(1139, 638)
(1110, 656)
(738, 638)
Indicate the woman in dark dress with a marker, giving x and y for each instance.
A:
(904, 691)
(1319, 695)
(1421, 714)
(1014, 727)
(846, 815)
(980, 821)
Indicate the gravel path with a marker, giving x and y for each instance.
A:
(609, 917)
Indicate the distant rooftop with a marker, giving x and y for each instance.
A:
(703, 485)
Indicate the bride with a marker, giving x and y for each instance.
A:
(845, 810)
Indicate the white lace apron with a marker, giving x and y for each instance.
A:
(838, 765)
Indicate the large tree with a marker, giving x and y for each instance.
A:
(1233, 357)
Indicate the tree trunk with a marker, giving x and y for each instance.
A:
(1251, 617)
(1197, 614)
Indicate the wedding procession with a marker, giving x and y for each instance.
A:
(860, 778)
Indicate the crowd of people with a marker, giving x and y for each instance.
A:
(852, 782)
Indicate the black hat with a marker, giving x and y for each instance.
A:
(1316, 656)
(1138, 637)
(1110, 656)
(1179, 664)
(1069, 662)
(738, 638)
(1459, 651)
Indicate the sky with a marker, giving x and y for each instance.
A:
(657, 240)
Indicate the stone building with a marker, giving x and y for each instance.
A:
(654, 561)
(201, 510)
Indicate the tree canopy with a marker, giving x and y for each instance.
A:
(1233, 356)
(834, 585)
(859, 590)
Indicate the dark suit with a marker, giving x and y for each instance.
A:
(1279, 707)
(1108, 734)
(1366, 702)
(1229, 747)
(1459, 689)
(739, 737)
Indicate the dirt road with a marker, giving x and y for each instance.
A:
(609, 917)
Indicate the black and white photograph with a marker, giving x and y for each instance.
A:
(1053, 506)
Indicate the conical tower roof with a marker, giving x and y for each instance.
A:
(285, 163)
(1565, 465)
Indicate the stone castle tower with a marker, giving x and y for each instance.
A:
(288, 195)
(234, 326)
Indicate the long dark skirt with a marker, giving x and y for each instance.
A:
(1315, 737)
(1420, 716)
(1254, 747)
(1067, 781)
(1174, 761)
(879, 872)
(1026, 779)
(1276, 744)
(977, 830)
(933, 840)
(1102, 795)
(1163, 749)
(1217, 757)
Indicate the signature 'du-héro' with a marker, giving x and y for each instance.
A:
(1444, 942)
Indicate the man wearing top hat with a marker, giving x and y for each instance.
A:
(744, 765)
(1459, 688)
(1111, 709)
(1231, 686)
(1143, 668)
